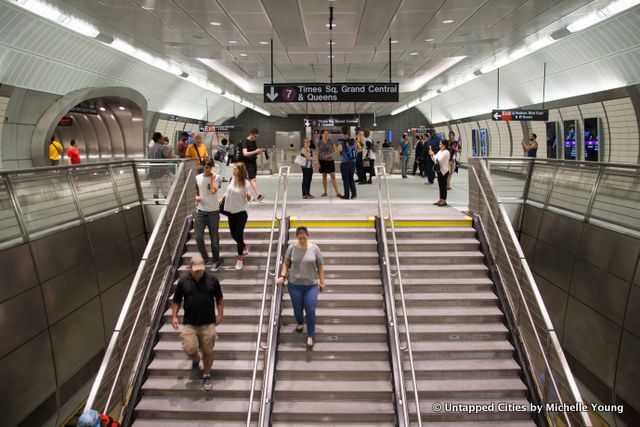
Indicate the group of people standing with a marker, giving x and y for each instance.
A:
(56, 151)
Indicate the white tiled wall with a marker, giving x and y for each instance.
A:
(4, 101)
(623, 131)
(503, 132)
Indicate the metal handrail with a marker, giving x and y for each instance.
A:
(282, 173)
(381, 173)
(185, 172)
(550, 379)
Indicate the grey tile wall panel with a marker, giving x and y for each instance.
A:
(628, 377)
(28, 374)
(77, 338)
(134, 221)
(632, 319)
(107, 233)
(561, 231)
(18, 272)
(531, 218)
(68, 291)
(112, 301)
(555, 301)
(61, 251)
(553, 264)
(592, 339)
(22, 318)
(528, 245)
(138, 246)
(636, 279)
(611, 251)
(600, 290)
(112, 266)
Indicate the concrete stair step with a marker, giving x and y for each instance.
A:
(250, 233)
(433, 271)
(436, 245)
(347, 370)
(468, 412)
(342, 315)
(323, 412)
(344, 299)
(469, 388)
(332, 272)
(444, 284)
(431, 257)
(232, 313)
(452, 314)
(186, 408)
(452, 350)
(323, 389)
(434, 232)
(339, 333)
(343, 232)
(226, 255)
(440, 299)
(251, 272)
(450, 369)
(363, 257)
(339, 244)
(226, 331)
(457, 332)
(181, 368)
(222, 387)
(228, 350)
(363, 351)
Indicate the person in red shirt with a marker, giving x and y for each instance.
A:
(73, 154)
(181, 149)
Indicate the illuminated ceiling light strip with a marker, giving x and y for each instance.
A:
(235, 78)
(602, 14)
(419, 81)
(53, 14)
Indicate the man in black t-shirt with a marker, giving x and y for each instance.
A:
(248, 152)
(202, 294)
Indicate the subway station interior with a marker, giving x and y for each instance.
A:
(467, 173)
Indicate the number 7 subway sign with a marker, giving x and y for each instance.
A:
(331, 92)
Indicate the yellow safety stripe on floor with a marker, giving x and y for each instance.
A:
(467, 221)
(370, 222)
(252, 224)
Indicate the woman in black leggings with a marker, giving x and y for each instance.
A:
(235, 203)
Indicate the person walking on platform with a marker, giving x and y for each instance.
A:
(304, 263)
(359, 158)
(181, 148)
(307, 170)
(370, 158)
(231, 153)
(348, 153)
(158, 174)
(202, 296)
(248, 155)
(221, 157)
(208, 214)
(73, 153)
(455, 146)
(441, 161)
(432, 144)
(55, 151)
(419, 155)
(235, 205)
(404, 150)
(326, 154)
(531, 149)
(197, 151)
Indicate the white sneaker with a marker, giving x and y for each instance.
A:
(239, 264)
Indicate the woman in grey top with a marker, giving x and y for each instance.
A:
(303, 261)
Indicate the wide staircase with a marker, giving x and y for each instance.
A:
(172, 394)
(346, 379)
(461, 347)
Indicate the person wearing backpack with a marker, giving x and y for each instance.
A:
(348, 153)
(55, 151)
(221, 158)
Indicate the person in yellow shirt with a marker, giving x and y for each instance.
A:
(55, 151)
(359, 166)
(197, 151)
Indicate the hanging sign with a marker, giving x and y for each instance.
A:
(331, 92)
(218, 128)
(519, 115)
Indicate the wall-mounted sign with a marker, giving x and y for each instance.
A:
(84, 110)
(330, 122)
(66, 121)
(524, 115)
(173, 118)
(218, 128)
(418, 130)
(331, 92)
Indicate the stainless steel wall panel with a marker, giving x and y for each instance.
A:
(27, 379)
(628, 378)
(21, 318)
(561, 231)
(18, 272)
(57, 253)
(138, 245)
(540, 185)
(600, 290)
(95, 191)
(113, 265)
(9, 225)
(592, 339)
(531, 219)
(632, 320)
(77, 338)
(553, 264)
(112, 300)
(107, 233)
(87, 137)
(132, 125)
(102, 136)
(115, 133)
(528, 245)
(126, 184)
(117, 146)
(134, 221)
(611, 251)
(618, 199)
(68, 291)
(555, 300)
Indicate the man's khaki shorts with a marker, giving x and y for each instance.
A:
(203, 337)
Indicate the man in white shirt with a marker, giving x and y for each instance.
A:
(207, 185)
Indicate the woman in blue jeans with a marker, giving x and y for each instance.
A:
(303, 261)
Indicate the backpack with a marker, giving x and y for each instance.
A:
(350, 149)
(220, 154)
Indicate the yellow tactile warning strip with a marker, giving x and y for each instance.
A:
(370, 222)
(467, 221)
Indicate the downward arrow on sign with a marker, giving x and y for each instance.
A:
(272, 95)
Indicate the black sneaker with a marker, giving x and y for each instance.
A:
(353, 197)
(216, 266)
(207, 385)
(344, 197)
(260, 197)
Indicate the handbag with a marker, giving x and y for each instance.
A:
(300, 160)
(222, 211)
(436, 166)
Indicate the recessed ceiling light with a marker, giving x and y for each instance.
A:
(215, 23)
(331, 43)
(413, 53)
(147, 7)
(121, 108)
(394, 41)
(447, 21)
(243, 54)
(331, 56)
(429, 40)
(233, 42)
(102, 109)
(332, 25)
(264, 42)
